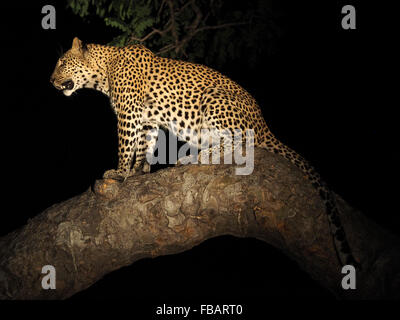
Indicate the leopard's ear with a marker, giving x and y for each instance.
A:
(78, 46)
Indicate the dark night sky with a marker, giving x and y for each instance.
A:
(326, 93)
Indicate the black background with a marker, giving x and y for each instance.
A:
(327, 93)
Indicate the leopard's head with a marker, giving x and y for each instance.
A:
(73, 70)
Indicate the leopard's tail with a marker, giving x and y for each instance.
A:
(341, 245)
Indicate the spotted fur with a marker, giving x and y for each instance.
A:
(148, 92)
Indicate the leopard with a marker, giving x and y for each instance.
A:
(147, 92)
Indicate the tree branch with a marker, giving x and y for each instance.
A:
(152, 33)
(192, 29)
(175, 209)
(174, 33)
(220, 26)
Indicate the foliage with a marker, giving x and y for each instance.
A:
(208, 31)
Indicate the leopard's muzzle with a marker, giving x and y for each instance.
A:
(66, 85)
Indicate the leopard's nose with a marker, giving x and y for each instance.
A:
(52, 80)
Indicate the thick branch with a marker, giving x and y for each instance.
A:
(172, 210)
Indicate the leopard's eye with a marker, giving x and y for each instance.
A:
(61, 63)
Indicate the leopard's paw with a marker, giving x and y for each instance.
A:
(135, 172)
(113, 174)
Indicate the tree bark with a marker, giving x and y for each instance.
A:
(115, 224)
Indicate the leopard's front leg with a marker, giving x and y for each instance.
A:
(127, 141)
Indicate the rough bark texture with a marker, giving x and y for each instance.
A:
(113, 225)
